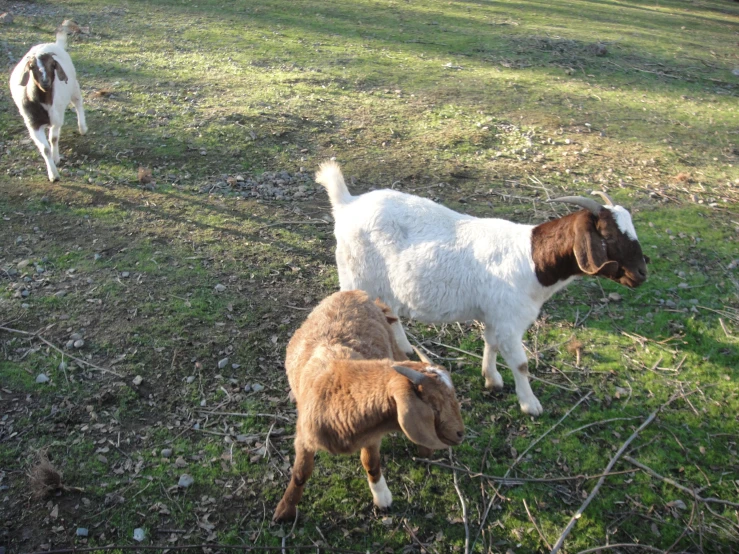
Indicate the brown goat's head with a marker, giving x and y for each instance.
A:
(428, 411)
(43, 69)
(606, 244)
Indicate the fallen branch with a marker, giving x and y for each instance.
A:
(622, 545)
(677, 485)
(510, 481)
(78, 360)
(213, 546)
(237, 414)
(464, 511)
(568, 433)
(600, 482)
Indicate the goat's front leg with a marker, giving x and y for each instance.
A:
(39, 137)
(381, 495)
(493, 379)
(54, 132)
(512, 350)
(302, 469)
(400, 337)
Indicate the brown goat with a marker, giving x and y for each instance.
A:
(350, 393)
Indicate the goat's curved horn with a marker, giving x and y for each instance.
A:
(587, 203)
(421, 355)
(415, 377)
(604, 196)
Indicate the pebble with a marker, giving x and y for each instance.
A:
(70, 344)
(137, 380)
(180, 462)
(256, 387)
(125, 274)
(82, 532)
(42, 378)
(166, 452)
(23, 263)
(235, 366)
(78, 343)
(62, 366)
(25, 306)
(96, 257)
(25, 293)
(138, 534)
(60, 293)
(190, 379)
(683, 286)
(670, 304)
(75, 336)
(614, 297)
(185, 481)
(222, 363)
(220, 288)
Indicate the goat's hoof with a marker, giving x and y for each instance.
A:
(53, 178)
(532, 407)
(284, 513)
(494, 385)
(82, 130)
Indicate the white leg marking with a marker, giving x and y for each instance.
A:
(381, 495)
(515, 357)
(400, 338)
(39, 137)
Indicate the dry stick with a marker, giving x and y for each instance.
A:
(415, 538)
(531, 518)
(295, 522)
(42, 339)
(622, 545)
(510, 481)
(515, 462)
(600, 482)
(237, 414)
(244, 547)
(464, 511)
(677, 485)
(568, 433)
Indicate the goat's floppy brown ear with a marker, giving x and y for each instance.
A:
(60, 72)
(387, 312)
(590, 253)
(416, 418)
(25, 75)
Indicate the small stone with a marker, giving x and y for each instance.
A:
(180, 462)
(222, 363)
(190, 379)
(6, 18)
(138, 534)
(25, 306)
(614, 297)
(23, 263)
(670, 304)
(79, 343)
(96, 257)
(185, 481)
(137, 380)
(60, 293)
(166, 452)
(25, 293)
(75, 336)
(42, 378)
(125, 274)
(220, 288)
(62, 366)
(256, 387)
(683, 286)
(102, 459)
(82, 532)
(235, 366)
(70, 344)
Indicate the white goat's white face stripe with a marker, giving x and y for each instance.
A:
(623, 220)
(41, 68)
(443, 375)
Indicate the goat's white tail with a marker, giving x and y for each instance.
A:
(330, 177)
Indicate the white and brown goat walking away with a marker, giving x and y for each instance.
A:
(353, 386)
(42, 85)
(430, 263)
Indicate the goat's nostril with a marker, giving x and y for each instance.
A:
(460, 434)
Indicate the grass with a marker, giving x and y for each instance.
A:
(485, 107)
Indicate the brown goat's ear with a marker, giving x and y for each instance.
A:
(590, 253)
(389, 316)
(25, 75)
(60, 72)
(416, 419)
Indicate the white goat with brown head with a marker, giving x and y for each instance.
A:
(430, 263)
(43, 84)
(353, 386)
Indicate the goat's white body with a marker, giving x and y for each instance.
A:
(430, 263)
(64, 94)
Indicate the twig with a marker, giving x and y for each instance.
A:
(622, 545)
(531, 518)
(244, 547)
(677, 485)
(237, 414)
(464, 511)
(726, 331)
(415, 538)
(295, 522)
(519, 480)
(42, 339)
(568, 433)
(457, 349)
(304, 222)
(600, 482)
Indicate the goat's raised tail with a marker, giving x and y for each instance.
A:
(330, 177)
(68, 27)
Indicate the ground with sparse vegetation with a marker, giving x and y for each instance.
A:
(155, 287)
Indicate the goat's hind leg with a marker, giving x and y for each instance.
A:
(77, 102)
(381, 495)
(287, 509)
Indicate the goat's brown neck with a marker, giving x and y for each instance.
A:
(552, 248)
